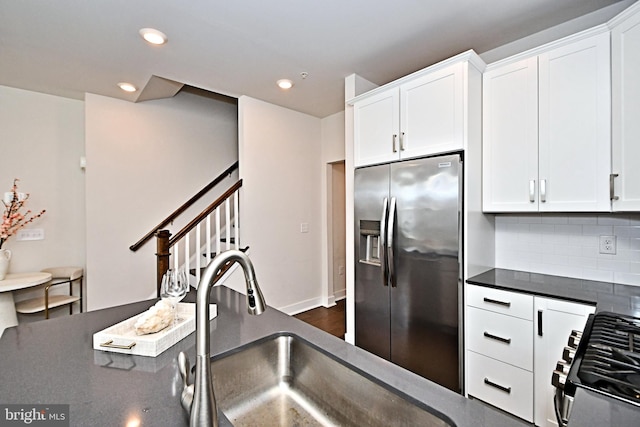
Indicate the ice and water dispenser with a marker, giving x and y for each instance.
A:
(370, 242)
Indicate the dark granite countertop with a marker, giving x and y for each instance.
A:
(590, 408)
(53, 362)
(624, 299)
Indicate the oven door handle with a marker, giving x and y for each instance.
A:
(562, 405)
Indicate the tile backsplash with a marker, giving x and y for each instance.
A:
(569, 245)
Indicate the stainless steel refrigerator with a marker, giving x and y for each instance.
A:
(408, 225)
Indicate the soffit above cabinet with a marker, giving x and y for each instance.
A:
(468, 56)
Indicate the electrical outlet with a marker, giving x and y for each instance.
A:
(608, 244)
(304, 227)
(30, 234)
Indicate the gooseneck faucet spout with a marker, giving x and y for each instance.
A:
(198, 398)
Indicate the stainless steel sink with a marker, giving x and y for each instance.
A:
(284, 380)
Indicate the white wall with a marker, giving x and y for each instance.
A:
(333, 207)
(279, 153)
(568, 245)
(332, 133)
(143, 161)
(42, 140)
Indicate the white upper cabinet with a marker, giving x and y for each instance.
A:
(575, 126)
(510, 137)
(546, 130)
(418, 115)
(431, 113)
(625, 42)
(376, 127)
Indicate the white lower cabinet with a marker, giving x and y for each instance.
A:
(500, 384)
(513, 341)
(506, 340)
(555, 319)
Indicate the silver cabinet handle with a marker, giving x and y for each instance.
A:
(497, 338)
(390, 230)
(495, 301)
(612, 194)
(395, 147)
(498, 386)
(402, 141)
(532, 190)
(382, 247)
(543, 190)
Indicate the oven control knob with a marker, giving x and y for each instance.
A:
(558, 379)
(574, 341)
(563, 367)
(568, 354)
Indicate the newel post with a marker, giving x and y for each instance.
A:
(162, 255)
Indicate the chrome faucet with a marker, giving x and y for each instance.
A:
(198, 398)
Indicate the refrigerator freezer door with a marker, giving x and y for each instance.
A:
(371, 293)
(424, 302)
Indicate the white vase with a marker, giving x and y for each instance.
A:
(5, 257)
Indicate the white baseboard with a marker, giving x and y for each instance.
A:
(310, 304)
(350, 338)
(299, 307)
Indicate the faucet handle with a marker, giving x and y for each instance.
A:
(186, 399)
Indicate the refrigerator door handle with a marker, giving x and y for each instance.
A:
(382, 246)
(390, 228)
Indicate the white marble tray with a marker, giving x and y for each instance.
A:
(122, 338)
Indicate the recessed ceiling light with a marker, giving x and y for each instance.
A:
(285, 83)
(127, 87)
(153, 36)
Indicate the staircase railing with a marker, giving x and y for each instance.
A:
(168, 220)
(190, 246)
(189, 239)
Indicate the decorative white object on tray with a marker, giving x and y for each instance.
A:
(155, 319)
(122, 337)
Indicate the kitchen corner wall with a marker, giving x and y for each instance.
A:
(568, 245)
(279, 153)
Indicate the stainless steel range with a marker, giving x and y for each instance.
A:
(605, 358)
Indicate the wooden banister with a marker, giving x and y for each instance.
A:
(165, 242)
(202, 215)
(184, 207)
(162, 255)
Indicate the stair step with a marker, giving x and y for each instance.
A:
(224, 240)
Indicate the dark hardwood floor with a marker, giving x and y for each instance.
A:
(331, 320)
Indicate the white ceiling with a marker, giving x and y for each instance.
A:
(241, 47)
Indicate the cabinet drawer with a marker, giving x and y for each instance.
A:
(501, 385)
(501, 337)
(499, 301)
